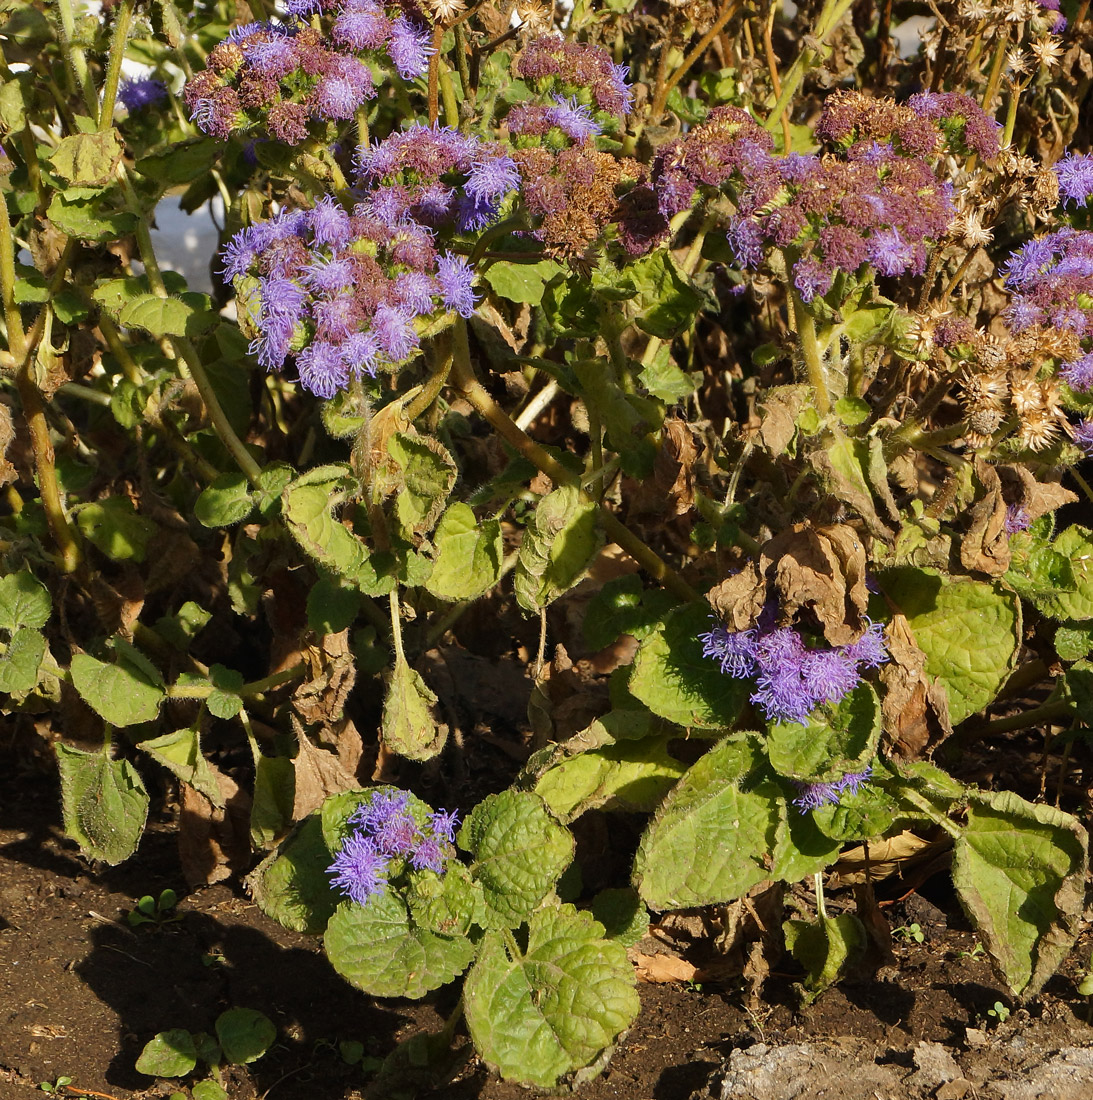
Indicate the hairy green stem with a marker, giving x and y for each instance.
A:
(1045, 713)
(447, 93)
(247, 691)
(123, 20)
(74, 55)
(435, 383)
(810, 352)
(927, 809)
(461, 65)
(396, 626)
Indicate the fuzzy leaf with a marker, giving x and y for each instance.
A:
(21, 660)
(245, 1034)
(164, 316)
(180, 753)
(969, 631)
(468, 555)
(24, 601)
(409, 728)
(711, 838)
(380, 949)
(170, 1054)
(428, 476)
(836, 740)
(521, 282)
(519, 853)
(87, 160)
(1019, 870)
(674, 680)
(557, 1006)
(114, 526)
(632, 776)
(292, 885)
(225, 501)
(121, 693)
(1075, 547)
(104, 802)
(559, 544)
(823, 947)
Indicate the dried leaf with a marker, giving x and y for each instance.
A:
(915, 707)
(214, 843)
(1034, 498)
(780, 408)
(739, 599)
(319, 774)
(985, 546)
(662, 968)
(893, 855)
(673, 468)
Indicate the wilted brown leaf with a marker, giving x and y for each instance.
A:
(780, 408)
(214, 843)
(673, 469)
(915, 707)
(985, 545)
(662, 968)
(739, 599)
(1034, 498)
(319, 774)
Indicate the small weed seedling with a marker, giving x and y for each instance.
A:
(56, 1088)
(999, 1011)
(155, 911)
(243, 1035)
(910, 932)
(977, 952)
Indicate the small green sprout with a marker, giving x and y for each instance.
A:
(155, 911)
(910, 932)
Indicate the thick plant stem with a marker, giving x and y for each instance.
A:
(123, 20)
(434, 74)
(447, 93)
(77, 63)
(810, 352)
(22, 352)
(930, 812)
(185, 349)
(435, 383)
(468, 385)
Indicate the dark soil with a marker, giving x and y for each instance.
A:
(81, 993)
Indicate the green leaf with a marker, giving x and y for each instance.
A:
(521, 282)
(559, 545)
(24, 601)
(449, 902)
(428, 476)
(292, 886)
(1073, 641)
(836, 740)
(519, 853)
(88, 215)
(21, 660)
(468, 555)
(824, 947)
(853, 410)
(180, 753)
(114, 526)
(624, 606)
(226, 501)
(331, 606)
(969, 631)
(183, 162)
(183, 626)
(557, 1006)
(224, 701)
(622, 914)
(104, 803)
(673, 679)
(668, 302)
(170, 1054)
(165, 316)
(409, 728)
(711, 839)
(120, 693)
(208, 1090)
(306, 506)
(1075, 545)
(380, 949)
(274, 798)
(632, 776)
(1019, 870)
(245, 1034)
(87, 160)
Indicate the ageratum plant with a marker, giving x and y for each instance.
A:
(807, 345)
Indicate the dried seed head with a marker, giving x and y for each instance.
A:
(982, 424)
(1048, 52)
(1037, 430)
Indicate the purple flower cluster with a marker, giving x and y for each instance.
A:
(141, 92)
(813, 796)
(557, 124)
(1052, 282)
(436, 175)
(341, 290)
(792, 679)
(1075, 173)
(1017, 520)
(1078, 375)
(284, 77)
(385, 831)
(577, 72)
(964, 124)
(1082, 434)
